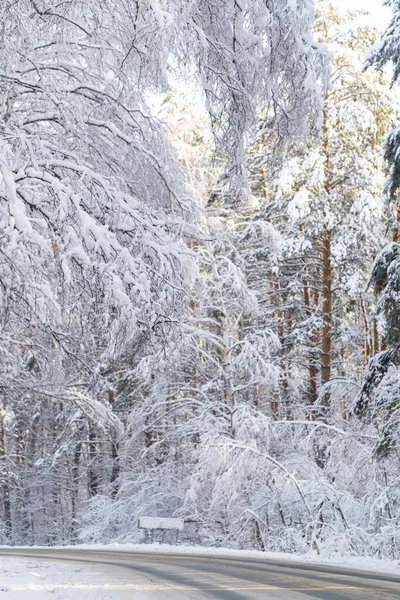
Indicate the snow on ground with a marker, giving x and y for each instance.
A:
(352, 562)
(22, 578)
(19, 576)
(37, 579)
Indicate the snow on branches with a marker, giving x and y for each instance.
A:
(95, 264)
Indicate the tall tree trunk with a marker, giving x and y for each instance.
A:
(369, 343)
(312, 392)
(93, 480)
(327, 303)
(5, 488)
(75, 490)
(327, 321)
(115, 470)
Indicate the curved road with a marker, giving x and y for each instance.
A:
(155, 576)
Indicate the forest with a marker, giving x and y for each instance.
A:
(200, 273)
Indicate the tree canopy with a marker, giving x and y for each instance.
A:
(191, 275)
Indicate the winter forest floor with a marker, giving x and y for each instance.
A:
(34, 577)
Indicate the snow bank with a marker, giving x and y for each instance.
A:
(20, 577)
(367, 564)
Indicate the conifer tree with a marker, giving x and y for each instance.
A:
(379, 395)
(327, 203)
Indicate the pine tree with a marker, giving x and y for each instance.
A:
(379, 394)
(326, 201)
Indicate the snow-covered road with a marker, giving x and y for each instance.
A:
(69, 574)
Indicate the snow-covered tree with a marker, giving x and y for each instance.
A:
(327, 202)
(220, 428)
(91, 253)
(380, 55)
(94, 265)
(222, 365)
(379, 394)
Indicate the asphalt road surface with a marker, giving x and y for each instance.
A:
(155, 576)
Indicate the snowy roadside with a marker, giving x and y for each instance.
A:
(367, 564)
(36, 578)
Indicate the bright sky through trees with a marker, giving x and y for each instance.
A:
(380, 15)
